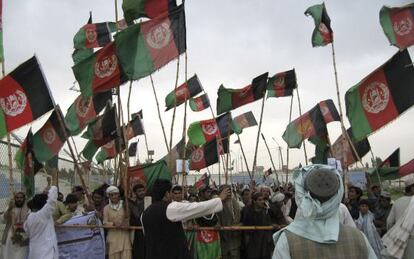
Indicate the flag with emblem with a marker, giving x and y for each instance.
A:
(148, 173)
(342, 150)
(178, 96)
(49, 139)
(134, 128)
(322, 34)
(398, 25)
(203, 131)
(132, 149)
(382, 96)
(94, 35)
(134, 9)
(99, 72)
(243, 121)
(24, 96)
(110, 150)
(282, 84)
(208, 154)
(84, 110)
(26, 161)
(308, 125)
(175, 153)
(329, 111)
(1, 32)
(207, 244)
(229, 99)
(199, 103)
(145, 47)
(203, 182)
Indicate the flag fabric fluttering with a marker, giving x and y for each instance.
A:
(203, 182)
(148, 173)
(94, 35)
(321, 149)
(230, 99)
(397, 24)
(382, 96)
(282, 84)
(26, 160)
(145, 47)
(134, 128)
(243, 121)
(322, 34)
(24, 96)
(199, 103)
(49, 139)
(406, 169)
(132, 149)
(388, 169)
(84, 111)
(329, 111)
(208, 154)
(342, 150)
(110, 150)
(134, 9)
(184, 92)
(139, 114)
(200, 132)
(175, 153)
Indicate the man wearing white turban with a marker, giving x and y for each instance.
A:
(316, 231)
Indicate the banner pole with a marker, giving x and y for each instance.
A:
(159, 114)
(258, 136)
(184, 180)
(270, 155)
(301, 126)
(287, 149)
(175, 104)
(245, 159)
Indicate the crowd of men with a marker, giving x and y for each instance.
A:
(310, 218)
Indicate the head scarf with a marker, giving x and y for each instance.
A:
(114, 206)
(316, 221)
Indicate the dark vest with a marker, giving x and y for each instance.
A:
(351, 244)
(163, 238)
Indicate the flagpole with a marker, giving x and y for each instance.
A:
(287, 149)
(159, 114)
(129, 98)
(301, 126)
(226, 173)
(175, 103)
(270, 155)
(258, 136)
(184, 124)
(376, 167)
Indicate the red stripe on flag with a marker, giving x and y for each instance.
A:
(154, 8)
(91, 36)
(198, 160)
(182, 93)
(242, 96)
(403, 25)
(106, 70)
(210, 129)
(305, 126)
(407, 169)
(50, 137)
(85, 110)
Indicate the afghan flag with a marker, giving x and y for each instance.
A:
(282, 84)
(322, 34)
(321, 149)
(243, 121)
(229, 99)
(406, 169)
(134, 9)
(200, 132)
(145, 47)
(148, 173)
(85, 110)
(175, 153)
(110, 150)
(388, 169)
(308, 125)
(80, 54)
(132, 149)
(178, 96)
(99, 72)
(26, 160)
(139, 114)
(382, 96)
(49, 139)
(94, 35)
(134, 128)
(199, 103)
(329, 111)
(208, 154)
(24, 96)
(1, 32)
(203, 182)
(342, 150)
(207, 244)
(397, 24)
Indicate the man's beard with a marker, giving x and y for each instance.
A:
(19, 204)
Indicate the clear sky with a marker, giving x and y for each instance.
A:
(229, 42)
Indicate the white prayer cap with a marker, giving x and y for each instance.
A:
(278, 197)
(112, 189)
(409, 181)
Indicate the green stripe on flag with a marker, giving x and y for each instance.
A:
(170, 100)
(195, 134)
(292, 136)
(355, 113)
(3, 126)
(386, 24)
(89, 150)
(224, 100)
(42, 151)
(101, 156)
(84, 73)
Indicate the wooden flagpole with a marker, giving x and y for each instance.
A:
(129, 99)
(301, 126)
(270, 155)
(175, 103)
(145, 137)
(159, 114)
(258, 136)
(245, 159)
(287, 149)
(376, 167)
(184, 180)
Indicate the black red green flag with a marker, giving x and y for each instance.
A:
(110, 150)
(175, 153)
(139, 114)
(200, 132)
(393, 160)
(148, 173)
(203, 182)
(132, 149)
(134, 128)
(94, 35)
(229, 99)
(243, 121)
(99, 72)
(208, 154)
(178, 96)
(329, 111)
(134, 9)
(321, 149)
(406, 169)
(388, 169)
(322, 34)
(84, 110)
(24, 96)
(382, 96)
(282, 84)
(397, 24)
(49, 139)
(145, 47)
(199, 103)
(342, 150)
(26, 160)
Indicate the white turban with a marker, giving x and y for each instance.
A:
(112, 189)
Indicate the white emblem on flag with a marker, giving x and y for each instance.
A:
(376, 97)
(14, 104)
(49, 136)
(106, 66)
(82, 106)
(91, 34)
(207, 236)
(403, 27)
(159, 36)
(197, 155)
(210, 128)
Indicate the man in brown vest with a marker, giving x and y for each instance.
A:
(316, 231)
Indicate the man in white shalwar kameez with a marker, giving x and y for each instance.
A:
(40, 228)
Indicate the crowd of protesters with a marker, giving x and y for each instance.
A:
(32, 223)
